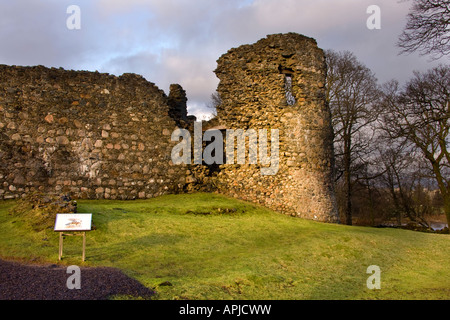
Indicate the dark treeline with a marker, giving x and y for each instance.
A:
(391, 140)
(391, 143)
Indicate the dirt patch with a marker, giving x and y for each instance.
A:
(213, 211)
(35, 282)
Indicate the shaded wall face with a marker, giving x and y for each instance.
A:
(278, 83)
(88, 134)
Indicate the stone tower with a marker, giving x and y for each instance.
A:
(279, 83)
(177, 102)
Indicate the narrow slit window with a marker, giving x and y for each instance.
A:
(290, 99)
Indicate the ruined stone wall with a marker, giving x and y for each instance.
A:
(96, 136)
(279, 83)
(89, 134)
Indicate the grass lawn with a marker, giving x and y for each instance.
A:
(207, 246)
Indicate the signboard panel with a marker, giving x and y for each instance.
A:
(73, 222)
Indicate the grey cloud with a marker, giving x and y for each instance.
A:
(179, 41)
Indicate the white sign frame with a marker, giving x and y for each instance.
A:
(73, 222)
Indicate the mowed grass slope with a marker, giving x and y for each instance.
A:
(207, 246)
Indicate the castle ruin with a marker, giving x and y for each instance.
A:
(98, 136)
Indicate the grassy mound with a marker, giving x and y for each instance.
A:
(39, 210)
(207, 246)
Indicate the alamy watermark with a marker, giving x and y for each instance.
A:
(213, 153)
(73, 281)
(374, 281)
(374, 20)
(73, 22)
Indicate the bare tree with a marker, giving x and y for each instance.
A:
(420, 115)
(403, 179)
(214, 103)
(427, 29)
(351, 94)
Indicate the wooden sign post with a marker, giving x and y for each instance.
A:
(68, 224)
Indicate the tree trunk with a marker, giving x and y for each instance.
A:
(447, 207)
(371, 208)
(348, 187)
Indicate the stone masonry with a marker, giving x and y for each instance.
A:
(279, 83)
(89, 134)
(99, 136)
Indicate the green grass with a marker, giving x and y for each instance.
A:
(241, 251)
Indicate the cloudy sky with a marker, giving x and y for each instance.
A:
(179, 41)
